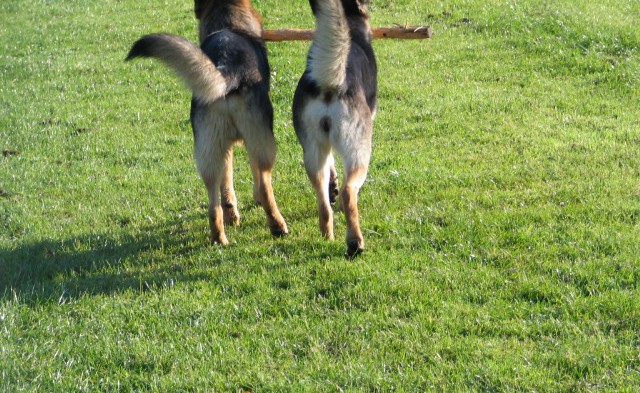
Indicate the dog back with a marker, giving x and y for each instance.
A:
(242, 60)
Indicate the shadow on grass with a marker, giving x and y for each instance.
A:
(99, 263)
(145, 259)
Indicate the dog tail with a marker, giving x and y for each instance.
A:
(187, 60)
(330, 49)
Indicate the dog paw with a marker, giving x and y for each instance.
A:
(279, 230)
(354, 248)
(219, 239)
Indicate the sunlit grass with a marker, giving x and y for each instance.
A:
(501, 213)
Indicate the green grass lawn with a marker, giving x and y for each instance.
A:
(501, 212)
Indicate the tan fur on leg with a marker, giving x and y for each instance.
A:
(261, 148)
(349, 199)
(276, 223)
(229, 201)
(217, 225)
(255, 172)
(325, 214)
(216, 220)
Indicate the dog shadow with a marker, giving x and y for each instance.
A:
(147, 258)
(99, 263)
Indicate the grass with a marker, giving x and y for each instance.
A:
(501, 212)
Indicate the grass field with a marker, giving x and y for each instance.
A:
(501, 212)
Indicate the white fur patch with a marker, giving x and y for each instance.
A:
(346, 136)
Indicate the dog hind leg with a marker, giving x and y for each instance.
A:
(354, 179)
(276, 222)
(211, 152)
(229, 200)
(255, 172)
(318, 163)
(261, 148)
(212, 181)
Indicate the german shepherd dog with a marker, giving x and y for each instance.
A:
(229, 77)
(334, 107)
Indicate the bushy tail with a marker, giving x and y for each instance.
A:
(187, 59)
(330, 48)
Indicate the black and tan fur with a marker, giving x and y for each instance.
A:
(229, 77)
(334, 107)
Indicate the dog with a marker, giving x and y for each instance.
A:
(334, 107)
(229, 77)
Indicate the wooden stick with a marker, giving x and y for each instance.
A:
(398, 32)
(403, 32)
(287, 35)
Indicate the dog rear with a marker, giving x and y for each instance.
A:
(334, 107)
(229, 77)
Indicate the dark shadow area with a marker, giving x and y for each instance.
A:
(149, 258)
(99, 263)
